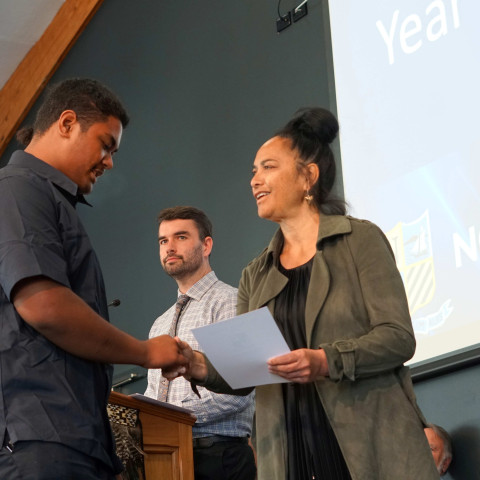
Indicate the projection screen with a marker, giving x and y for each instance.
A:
(407, 80)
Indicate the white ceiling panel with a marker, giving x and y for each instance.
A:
(22, 23)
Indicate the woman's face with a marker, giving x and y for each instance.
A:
(277, 185)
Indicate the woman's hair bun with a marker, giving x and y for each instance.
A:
(310, 131)
(315, 122)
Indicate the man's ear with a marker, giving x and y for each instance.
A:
(66, 122)
(207, 246)
(446, 464)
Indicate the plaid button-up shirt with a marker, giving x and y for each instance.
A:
(217, 414)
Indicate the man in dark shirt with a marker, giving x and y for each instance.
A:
(56, 343)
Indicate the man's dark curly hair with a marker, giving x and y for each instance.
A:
(89, 99)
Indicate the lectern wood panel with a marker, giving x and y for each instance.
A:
(167, 439)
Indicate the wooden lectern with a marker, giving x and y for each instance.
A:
(167, 439)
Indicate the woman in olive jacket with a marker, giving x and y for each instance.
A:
(332, 285)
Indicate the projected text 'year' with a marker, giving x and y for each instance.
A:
(409, 36)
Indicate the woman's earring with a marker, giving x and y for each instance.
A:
(308, 196)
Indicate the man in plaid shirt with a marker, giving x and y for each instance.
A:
(224, 422)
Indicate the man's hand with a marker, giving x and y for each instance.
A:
(301, 366)
(165, 353)
(196, 368)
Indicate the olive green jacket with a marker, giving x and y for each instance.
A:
(357, 311)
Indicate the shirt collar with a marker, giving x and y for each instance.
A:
(198, 290)
(60, 180)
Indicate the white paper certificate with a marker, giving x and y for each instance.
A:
(240, 347)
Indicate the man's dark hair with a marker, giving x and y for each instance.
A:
(89, 99)
(204, 225)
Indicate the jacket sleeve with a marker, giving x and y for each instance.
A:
(216, 383)
(389, 340)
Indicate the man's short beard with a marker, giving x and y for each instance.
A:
(186, 267)
(179, 271)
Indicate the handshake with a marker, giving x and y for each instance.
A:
(176, 358)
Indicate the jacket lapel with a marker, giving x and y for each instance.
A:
(271, 287)
(330, 225)
(317, 293)
(270, 281)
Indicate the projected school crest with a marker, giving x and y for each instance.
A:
(411, 243)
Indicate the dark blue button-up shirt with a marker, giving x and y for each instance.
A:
(46, 393)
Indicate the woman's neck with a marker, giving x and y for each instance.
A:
(300, 239)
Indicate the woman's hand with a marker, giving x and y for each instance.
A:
(302, 366)
(196, 367)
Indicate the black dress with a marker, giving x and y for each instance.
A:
(313, 450)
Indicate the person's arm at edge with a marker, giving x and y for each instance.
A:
(67, 321)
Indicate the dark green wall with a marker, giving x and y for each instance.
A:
(206, 83)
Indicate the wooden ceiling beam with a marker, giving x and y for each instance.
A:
(33, 73)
